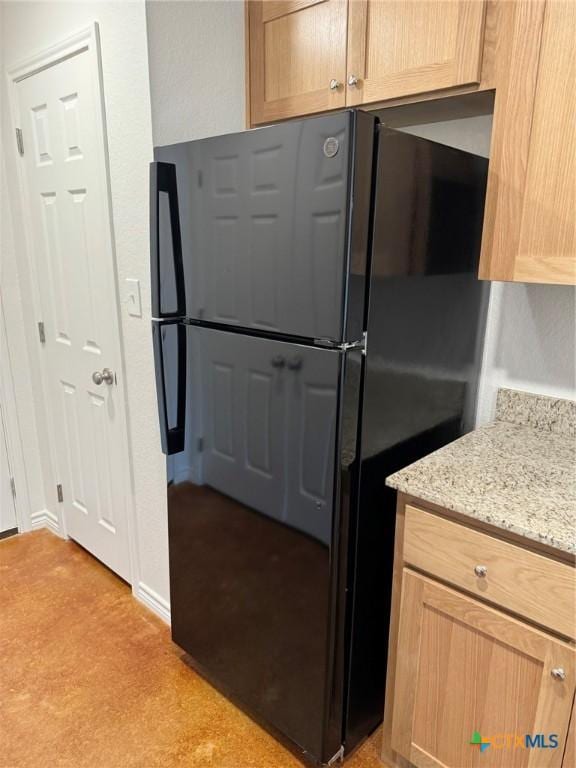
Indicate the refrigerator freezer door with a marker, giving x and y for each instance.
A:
(251, 517)
(270, 238)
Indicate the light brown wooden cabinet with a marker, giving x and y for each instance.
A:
(459, 664)
(309, 56)
(312, 55)
(297, 57)
(398, 49)
(464, 667)
(530, 228)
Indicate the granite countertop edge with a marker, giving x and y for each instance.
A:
(410, 489)
(509, 474)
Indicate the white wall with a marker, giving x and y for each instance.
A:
(530, 343)
(196, 59)
(531, 329)
(27, 28)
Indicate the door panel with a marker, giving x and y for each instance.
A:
(547, 247)
(458, 661)
(264, 226)
(67, 205)
(296, 50)
(399, 49)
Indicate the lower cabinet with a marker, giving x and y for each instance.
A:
(473, 681)
(481, 659)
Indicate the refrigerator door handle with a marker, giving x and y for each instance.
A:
(172, 438)
(163, 179)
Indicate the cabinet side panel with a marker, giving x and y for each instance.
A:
(547, 250)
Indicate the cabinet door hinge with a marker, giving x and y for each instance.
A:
(19, 141)
(59, 492)
(200, 444)
(13, 487)
(41, 333)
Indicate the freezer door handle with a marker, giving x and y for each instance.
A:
(172, 437)
(163, 179)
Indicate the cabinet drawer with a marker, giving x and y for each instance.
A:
(531, 585)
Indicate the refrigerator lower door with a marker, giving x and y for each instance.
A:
(251, 525)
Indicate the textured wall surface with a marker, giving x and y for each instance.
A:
(530, 343)
(531, 329)
(27, 29)
(196, 58)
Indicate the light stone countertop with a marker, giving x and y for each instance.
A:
(518, 473)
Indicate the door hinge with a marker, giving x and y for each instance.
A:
(41, 333)
(19, 141)
(200, 444)
(59, 492)
(13, 487)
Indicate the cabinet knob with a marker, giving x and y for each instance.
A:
(278, 362)
(558, 673)
(335, 84)
(481, 571)
(352, 81)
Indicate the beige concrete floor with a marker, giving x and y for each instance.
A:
(89, 678)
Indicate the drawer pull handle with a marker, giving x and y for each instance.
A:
(558, 673)
(481, 571)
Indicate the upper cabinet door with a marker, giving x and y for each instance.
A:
(547, 247)
(297, 57)
(398, 49)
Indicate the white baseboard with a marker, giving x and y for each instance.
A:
(152, 600)
(44, 518)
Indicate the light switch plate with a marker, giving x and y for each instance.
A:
(133, 299)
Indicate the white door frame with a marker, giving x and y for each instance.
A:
(12, 429)
(87, 39)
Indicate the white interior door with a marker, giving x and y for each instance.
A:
(60, 113)
(7, 509)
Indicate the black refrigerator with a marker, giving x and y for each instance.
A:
(317, 325)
